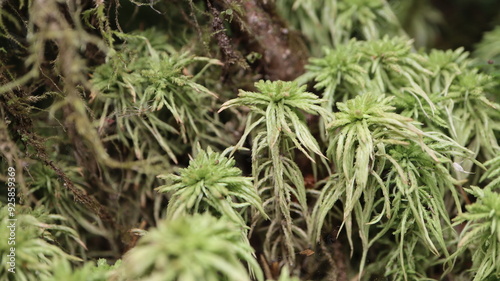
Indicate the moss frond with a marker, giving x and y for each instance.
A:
(211, 183)
(198, 247)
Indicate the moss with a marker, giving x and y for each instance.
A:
(379, 161)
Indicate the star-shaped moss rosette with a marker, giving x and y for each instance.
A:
(146, 89)
(278, 128)
(278, 103)
(365, 123)
(482, 233)
(34, 237)
(198, 247)
(472, 114)
(211, 183)
(339, 74)
(382, 160)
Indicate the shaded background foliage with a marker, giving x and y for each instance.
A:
(98, 98)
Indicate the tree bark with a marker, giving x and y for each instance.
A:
(283, 51)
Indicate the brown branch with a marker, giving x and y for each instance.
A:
(231, 56)
(284, 52)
